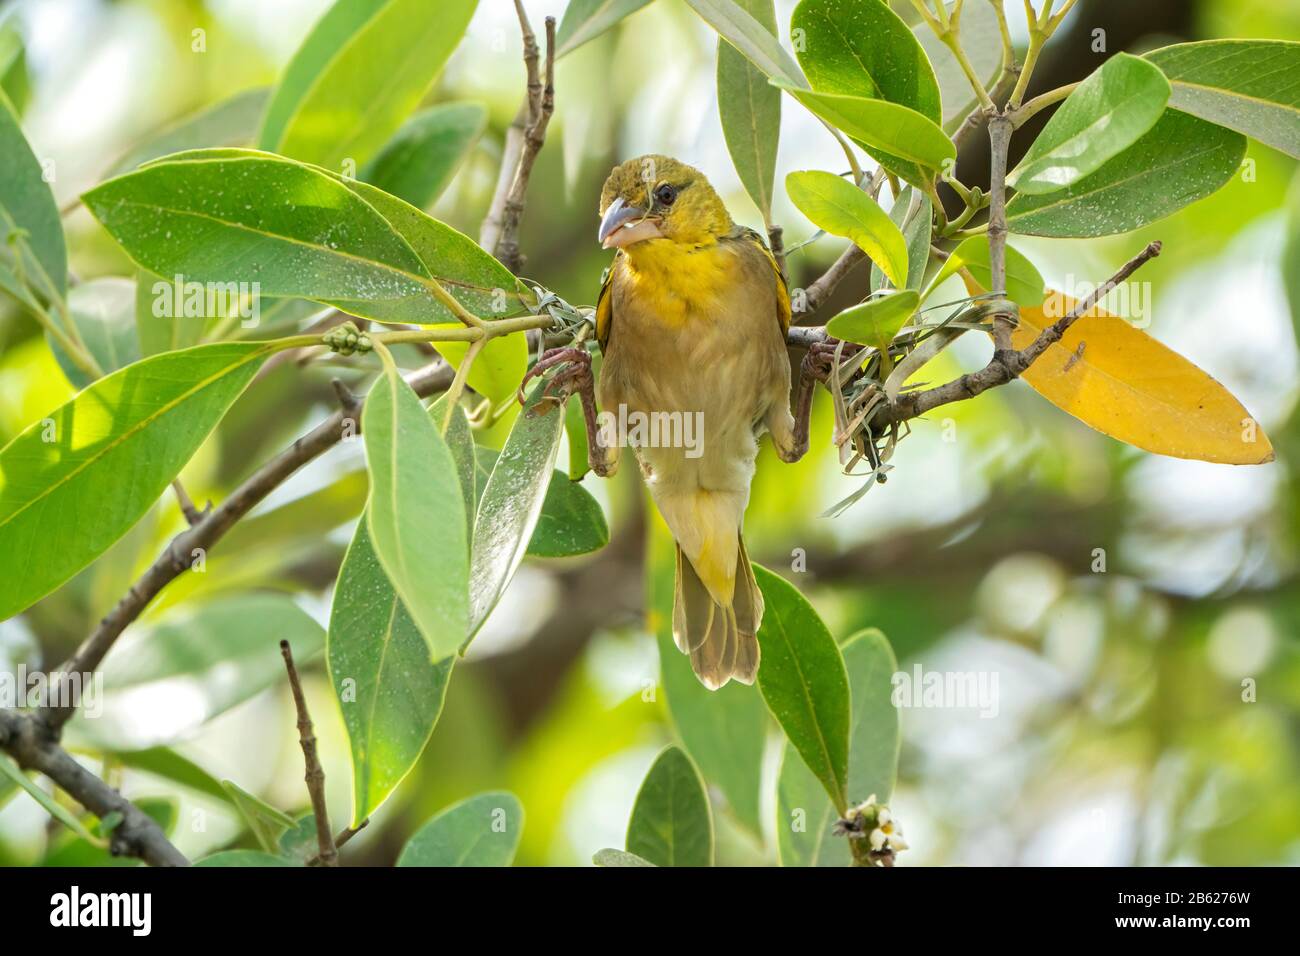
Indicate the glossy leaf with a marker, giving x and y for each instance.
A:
(1108, 112)
(876, 321)
(460, 442)
(420, 161)
(585, 20)
(750, 110)
(483, 830)
(1245, 85)
(389, 691)
(912, 213)
(76, 481)
(885, 127)
(571, 521)
(103, 310)
(671, 824)
(610, 857)
(804, 683)
(1125, 384)
(243, 858)
(214, 654)
(981, 39)
(1025, 285)
(232, 122)
(865, 49)
(804, 815)
(264, 821)
(334, 106)
(751, 38)
(511, 505)
(417, 513)
(27, 208)
(839, 207)
(1180, 160)
(724, 731)
(243, 216)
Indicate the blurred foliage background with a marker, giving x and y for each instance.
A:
(1124, 732)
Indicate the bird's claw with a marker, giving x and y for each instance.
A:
(574, 374)
(820, 358)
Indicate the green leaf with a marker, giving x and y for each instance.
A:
(299, 843)
(389, 692)
(1182, 159)
(159, 325)
(420, 161)
(417, 513)
(913, 214)
(885, 128)
(1025, 286)
(724, 731)
(1245, 85)
(483, 830)
(214, 655)
(839, 207)
(751, 38)
(103, 310)
(671, 824)
(804, 815)
(232, 122)
(869, 52)
(750, 110)
(981, 39)
(168, 764)
(10, 771)
(1108, 112)
(575, 427)
(460, 441)
(264, 821)
(571, 521)
(15, 84)
(511, 506)
(804, 683)
(76, 481)
(610, 857)
(27, 208)
(243, 858)
(361, 71)
(243, 216)
(587, 19)
(876, 321)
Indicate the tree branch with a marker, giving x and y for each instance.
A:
(524, 140)
(30, 743)
(315, 775)
(178, 554)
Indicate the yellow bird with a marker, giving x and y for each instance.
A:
(691, 322)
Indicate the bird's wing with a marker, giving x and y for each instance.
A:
(782, 289)
(605, 305)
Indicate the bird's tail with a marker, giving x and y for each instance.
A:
(721, 638)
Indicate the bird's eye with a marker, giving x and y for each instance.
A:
(665, 194)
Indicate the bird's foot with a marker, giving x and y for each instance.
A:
(573, 376)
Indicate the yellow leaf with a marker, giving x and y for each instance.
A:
(499, 368)
(1125, 384)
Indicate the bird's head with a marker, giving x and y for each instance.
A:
(658, 198)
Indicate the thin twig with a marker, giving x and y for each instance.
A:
(192, 514)
(135, 835)
(176, 557)
(524, 140)
(1008, 364)
(999, 140)
(315, 775)
(343, 836)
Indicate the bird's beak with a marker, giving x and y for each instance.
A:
(624, 225)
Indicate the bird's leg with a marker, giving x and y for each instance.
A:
(791, 438)
(574, 378)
